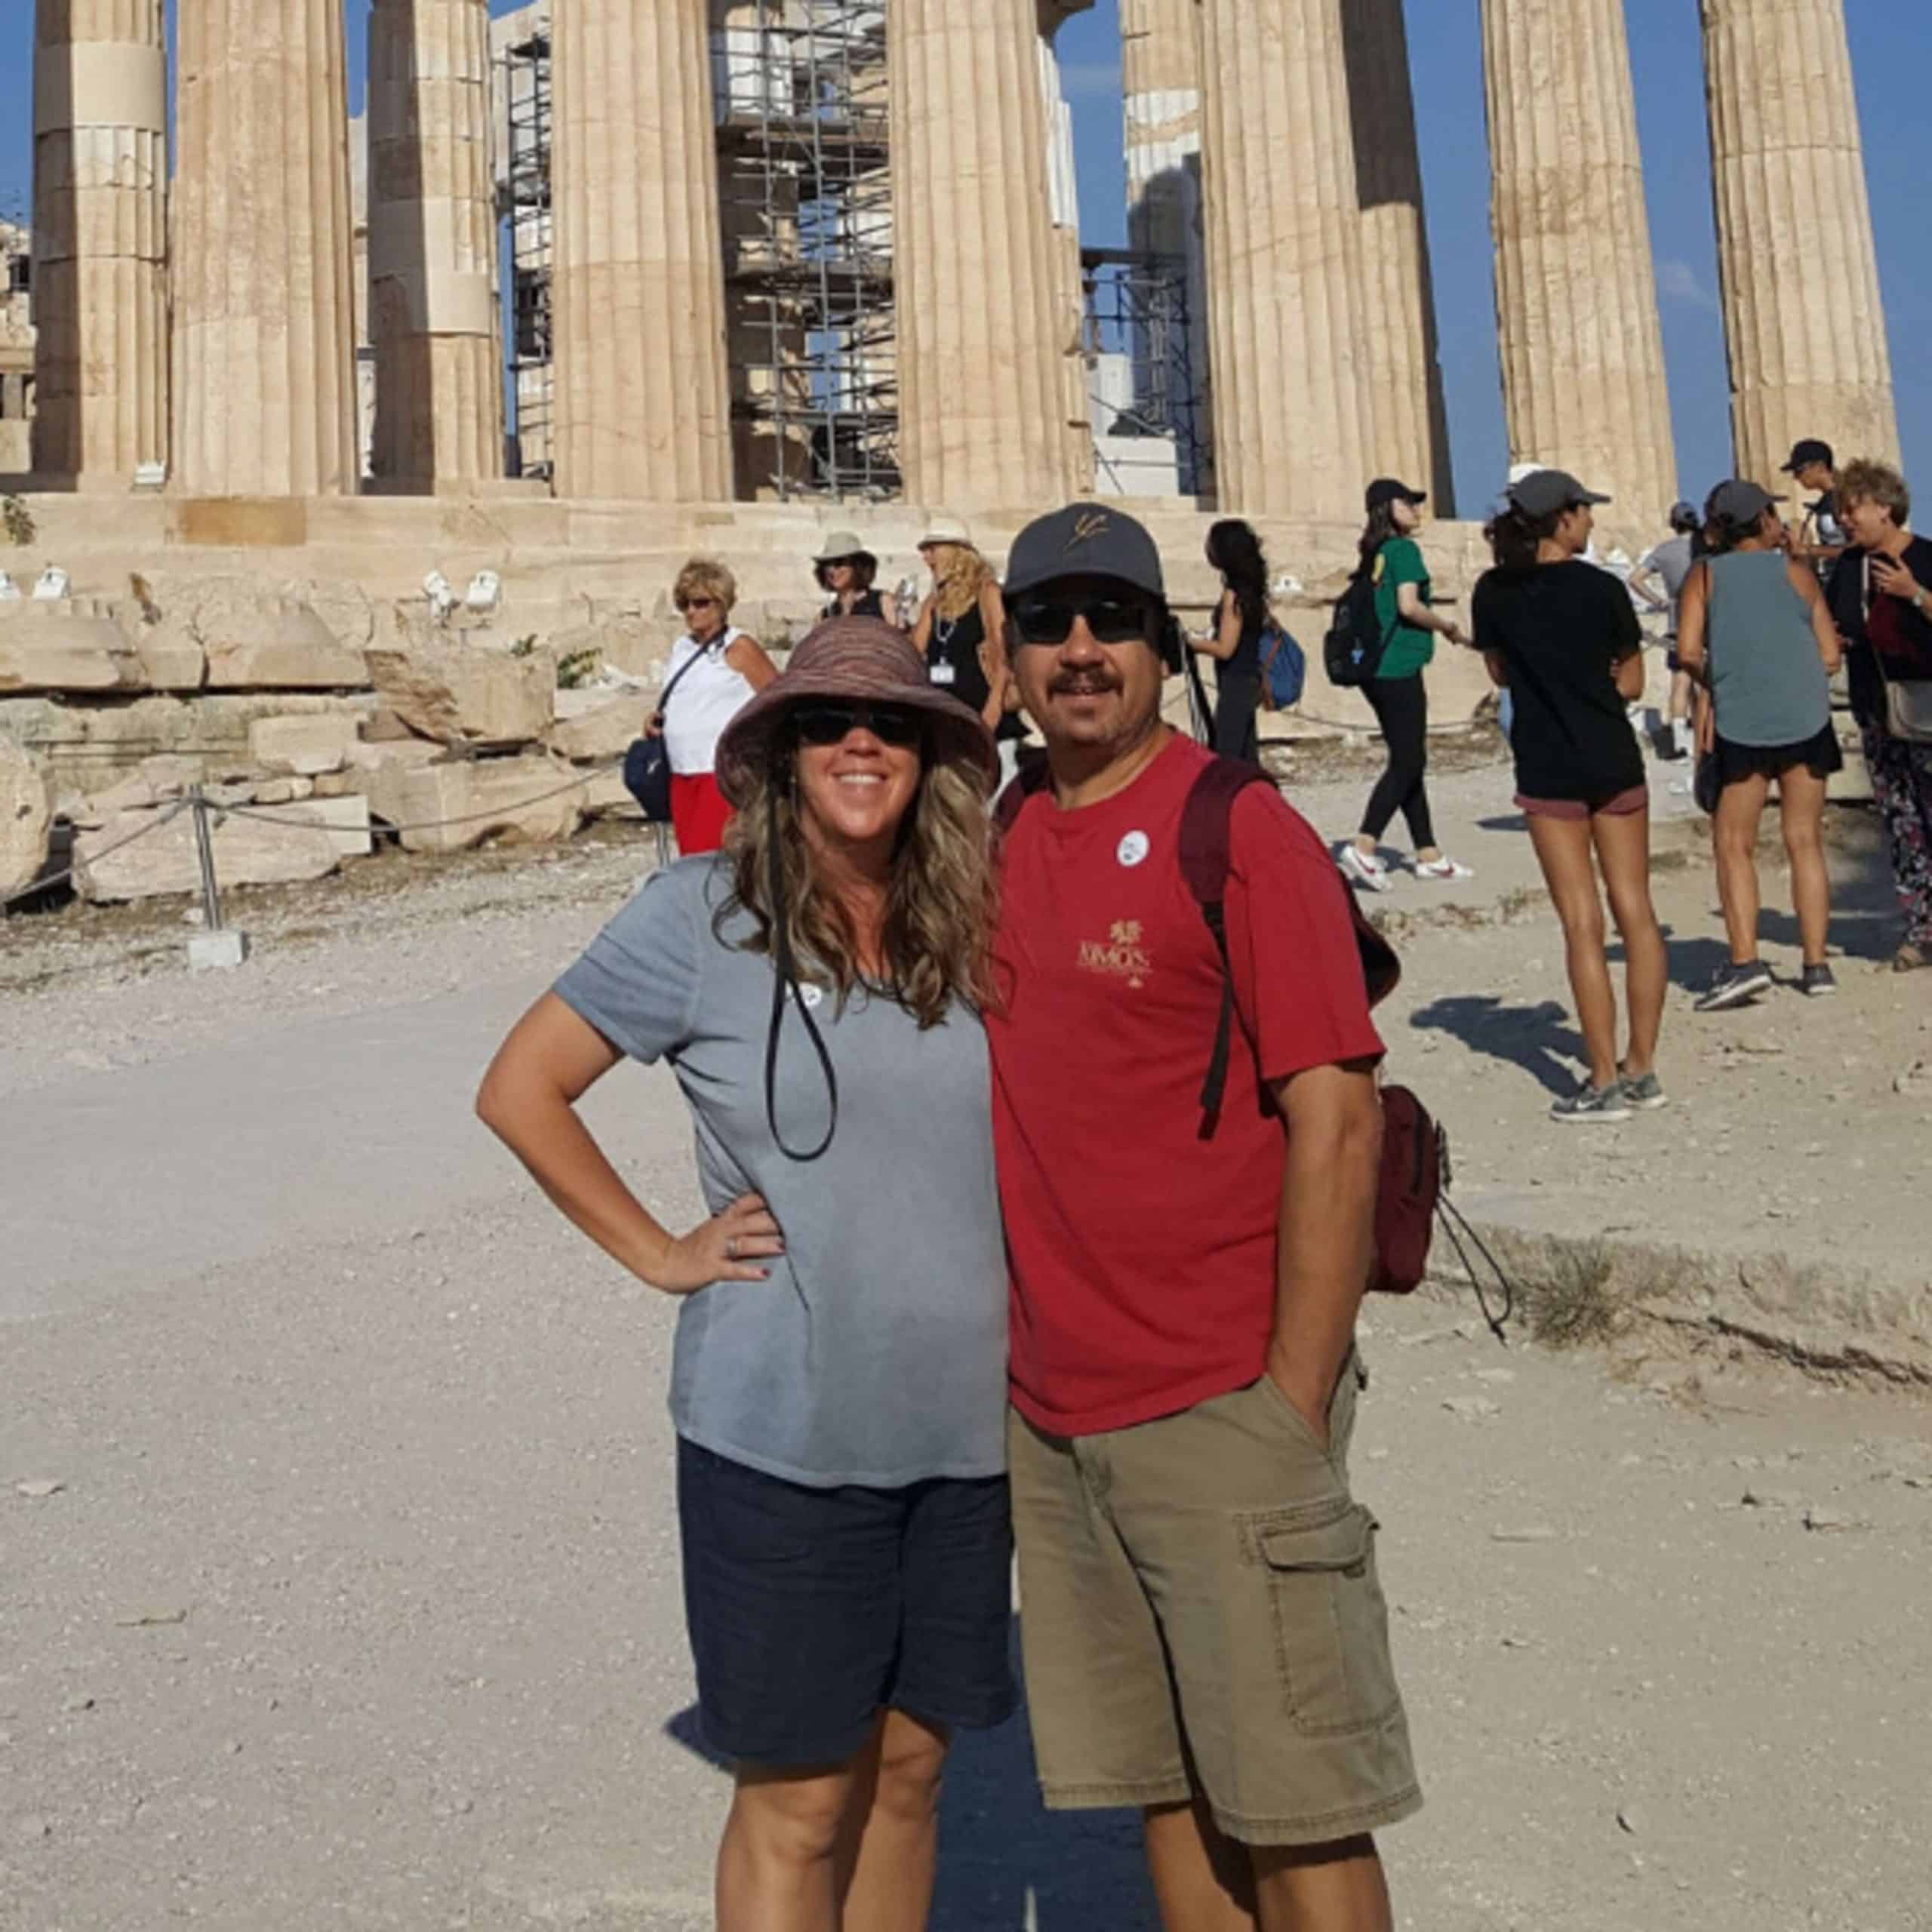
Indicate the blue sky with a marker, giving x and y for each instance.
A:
(1891, 51)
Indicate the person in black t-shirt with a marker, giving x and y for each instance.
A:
(1561, 637)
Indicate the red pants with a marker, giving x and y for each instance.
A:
(699, 813)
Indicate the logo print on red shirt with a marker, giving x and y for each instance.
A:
(1120, 956)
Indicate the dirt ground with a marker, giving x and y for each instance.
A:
(337, 1569)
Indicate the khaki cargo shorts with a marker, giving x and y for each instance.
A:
(1199, 1609)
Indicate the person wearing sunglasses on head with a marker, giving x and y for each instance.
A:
(1205, 1636)
(960, 630)
(838, 1387)
(714, 670)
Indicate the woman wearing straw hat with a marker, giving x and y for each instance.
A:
(838, 1388)
(846, 570)
(961, 631)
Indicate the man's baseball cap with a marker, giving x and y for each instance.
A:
(1550, 492)
(1805, 453)
(1388, 489)
(1738, 502)
(1686, 516)
(1084, 539)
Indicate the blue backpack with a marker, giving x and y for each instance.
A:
(1284, 668)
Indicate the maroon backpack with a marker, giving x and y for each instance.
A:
(1415, 1159)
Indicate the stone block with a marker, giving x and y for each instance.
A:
(259, 640)
(626, 642)
(605, 796)
(346, 821)
(171, 661)
(285, 791)
(602, 728)
(458, 695)
(66, 646)
(217, 952)
(304, 746)
(161, 860)
(376, 773)
(451, 807)
(26, 818)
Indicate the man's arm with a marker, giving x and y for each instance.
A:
(1326, 1245)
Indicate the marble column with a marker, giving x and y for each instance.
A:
(1160, 53)
(1294, 417)
(1070, 285)
(433, 246)
(1583, 381)
(643, 396)
(1403, 369)
(1803, 319)
(264, 329)
(99, 240)
(981, 406)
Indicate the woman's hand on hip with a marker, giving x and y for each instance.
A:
(733, 1246)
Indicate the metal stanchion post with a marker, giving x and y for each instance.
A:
(215, 945)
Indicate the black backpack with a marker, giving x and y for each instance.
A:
(1353, 650)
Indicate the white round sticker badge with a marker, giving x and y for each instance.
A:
(813, 997)
(1133, 849)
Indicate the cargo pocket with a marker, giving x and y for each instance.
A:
(1331, 1621)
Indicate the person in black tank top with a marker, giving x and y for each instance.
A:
(846, 569)
(961, 629)
(1234, 642)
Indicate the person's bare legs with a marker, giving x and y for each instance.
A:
(890, 1850)
(1623, 850)
(1734, 838)
(1203, 1881)
(1338, 1888)
(777, 1867)
(1802, 795)
(1563, 849)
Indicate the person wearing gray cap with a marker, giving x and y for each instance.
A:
(846, 571)
(1756, 632)
(1561, 637)
(1659, 580)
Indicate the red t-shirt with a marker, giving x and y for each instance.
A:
(1143, 1258)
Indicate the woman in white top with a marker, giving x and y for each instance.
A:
(713, 672)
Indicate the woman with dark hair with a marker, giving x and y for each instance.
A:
(1881, 596)
(1235, 643)
(1753, 629)
(847, 571)
(1397, 692)
(839, 1384)
(1561, 636)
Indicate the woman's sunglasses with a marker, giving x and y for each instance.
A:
(833, 724)
(1050, 619)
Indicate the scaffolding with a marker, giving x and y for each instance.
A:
(525, 208)
(804, 170)
(1150, 432)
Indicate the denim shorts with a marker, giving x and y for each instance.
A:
(812, 1611)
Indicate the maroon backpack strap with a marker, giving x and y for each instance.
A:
(1012, 801)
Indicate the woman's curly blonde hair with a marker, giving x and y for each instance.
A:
(940, 905)
(959, 574)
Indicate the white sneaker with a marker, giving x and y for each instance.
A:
(1357, 867)
(1444, 867)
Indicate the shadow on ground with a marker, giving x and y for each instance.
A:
(1540, 1039)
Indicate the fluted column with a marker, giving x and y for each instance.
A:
(643, 399)
(432, 245)
(981, 408)
(1404, 372)
(1293, 421)
(1803, 319)
(1070, 287)
(264, 329)
(1583, 381)
(1160, 54)
(99, 240)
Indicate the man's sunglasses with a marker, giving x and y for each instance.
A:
(1050, 619)
(833, 724)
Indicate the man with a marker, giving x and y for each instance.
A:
(1205, 1636)
(1821, 537)
(1658, 581)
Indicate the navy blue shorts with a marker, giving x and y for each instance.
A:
(812, 1611)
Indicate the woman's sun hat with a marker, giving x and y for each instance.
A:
(844, 546)
(852, 660)
(944, 529)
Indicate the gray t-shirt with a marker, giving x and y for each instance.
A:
(876, 1353)
(1671, 560)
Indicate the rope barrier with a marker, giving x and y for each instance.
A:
(60, 877)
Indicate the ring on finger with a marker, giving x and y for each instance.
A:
(731, 1249)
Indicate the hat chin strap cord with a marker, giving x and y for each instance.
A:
(784, 980)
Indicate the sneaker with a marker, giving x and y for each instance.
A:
(1593, 1105)
(1737, 986)
(1444, 867)
(1645, 1093)
(1818, 981)
(1361, 870)
(1682, 743)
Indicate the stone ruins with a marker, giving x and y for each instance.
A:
(599, 282)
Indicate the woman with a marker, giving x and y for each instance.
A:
(960, 631)
(1753, 628)
(1396, 692)
(713, 671)
(1235, 643)
(1561, 637)
(846, 570)
(838, 1388)
(1659, 580)
(1881, 596)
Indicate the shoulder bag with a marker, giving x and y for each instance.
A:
(648, 763)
